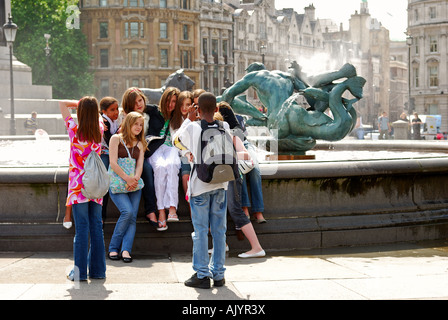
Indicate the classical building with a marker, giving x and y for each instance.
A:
(216, 45)
(427, 36)
(141, 42)
(366, 46)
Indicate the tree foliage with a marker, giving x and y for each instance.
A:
(67, 68)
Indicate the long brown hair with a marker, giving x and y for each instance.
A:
(126, 134)
(165, 99)
(129, 97)
(88, 114)
(176, 121)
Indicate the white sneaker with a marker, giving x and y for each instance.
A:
(67, 225)
(259, 254)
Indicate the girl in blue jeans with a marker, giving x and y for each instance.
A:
(85, 137)
(130, 141)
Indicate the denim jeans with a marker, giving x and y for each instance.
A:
(254, 179)
(124, 232)
(88, 223)
(148, 191)
(234, 204)
(209, 210)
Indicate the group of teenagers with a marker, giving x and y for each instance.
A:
(115, 134)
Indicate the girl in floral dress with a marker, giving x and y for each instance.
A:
(84, 138)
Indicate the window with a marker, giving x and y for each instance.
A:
(433, 44)
(134, 57)
(133, 29)
(215, 50)
(185, 61)
(416, 77)
(163, 30)
(104, 87)
(204, 47)
(225, 50)
(164, 58)
(251, 45)
(104, 58)
(103, 3)
(162, 3)
(185, 32)
(432, 13)
(133, 3)
(184, 4)
(433, 76)
(104, 30)
(433, 108)
(415, 15)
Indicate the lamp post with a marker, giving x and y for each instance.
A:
(47, 54)
(262, 49)
(409, 42)
(10, 30)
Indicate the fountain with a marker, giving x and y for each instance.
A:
(382, 192)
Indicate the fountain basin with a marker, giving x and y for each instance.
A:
(308, 204)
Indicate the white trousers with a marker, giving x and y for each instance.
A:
(165, 163)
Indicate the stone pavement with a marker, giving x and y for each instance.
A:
(398, 271)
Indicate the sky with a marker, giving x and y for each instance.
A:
(391, 13)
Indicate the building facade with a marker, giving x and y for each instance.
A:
(427, 35)
(216, 45)
(139, 43)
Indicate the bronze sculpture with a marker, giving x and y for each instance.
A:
(295, 128)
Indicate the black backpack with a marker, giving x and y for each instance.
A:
(218, 159)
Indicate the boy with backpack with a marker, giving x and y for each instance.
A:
(208, 200)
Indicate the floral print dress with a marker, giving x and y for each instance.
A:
(79, 150)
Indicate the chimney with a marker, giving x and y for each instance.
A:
(310, 11)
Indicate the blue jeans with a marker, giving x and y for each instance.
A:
(254, 179)
(209, 210)
(234, 204)
(87, 218)
(124, 232)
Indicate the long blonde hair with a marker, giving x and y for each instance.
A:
(126, 134)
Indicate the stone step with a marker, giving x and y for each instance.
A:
(277, 233)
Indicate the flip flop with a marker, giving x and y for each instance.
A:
(162, 225)
(172, 217)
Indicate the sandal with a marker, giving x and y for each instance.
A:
(172, 217)
(162, 225)
(151, 222)
(258, 219)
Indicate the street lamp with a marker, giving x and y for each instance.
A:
(409, 42)
(262, 49)
(47, 54)
(10, 30)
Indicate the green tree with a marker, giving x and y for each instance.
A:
(67, 68)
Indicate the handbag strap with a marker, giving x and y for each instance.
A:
(129, 154)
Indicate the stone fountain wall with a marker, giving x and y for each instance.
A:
(308, 205)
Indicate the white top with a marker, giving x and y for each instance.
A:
(188, 139)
